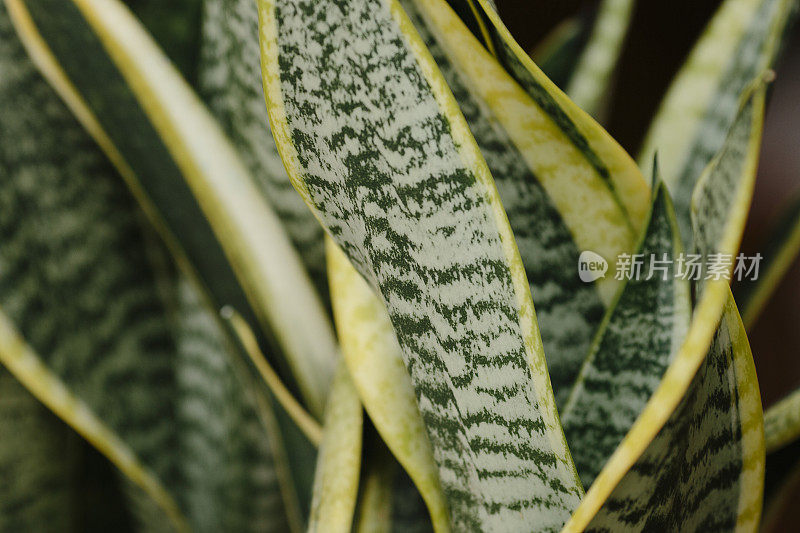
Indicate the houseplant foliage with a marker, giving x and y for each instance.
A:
(330, 283)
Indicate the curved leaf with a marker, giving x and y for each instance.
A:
(782, 422)
(590, 82)
(742, 39)
(706, 380)
(555, 204)
(395, 176)
(374, 360)
(633, 348)
(230, 82)
(339, 461)
(171, 153)
(603, 156)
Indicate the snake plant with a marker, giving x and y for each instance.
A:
(286, 265)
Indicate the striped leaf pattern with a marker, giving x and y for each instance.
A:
(393, 173)
(742, 40)
(38, 463)
(696, 475)
(375, 362)
(733, 458)
(605, 157)
(542, 182)
(229, 480)
(230, 82)
(633, 348)
(224, 234)
(111, 343)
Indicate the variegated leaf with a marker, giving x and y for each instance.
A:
(374, 360)
(374, 142)
(596, 150)
(590, 83)
(82, 319)
(230, 469)
(559, 51)
(38, 462)
(742, 39)
(172, 153)
(543, 183)
(713, 476)
(633, 348)
(230, 81)
(339, 462)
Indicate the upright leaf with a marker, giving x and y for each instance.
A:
(172, 153)
(77, 293)
(375, 362)
(742, 39)
(38, 463)
(339, 461)
(230, 81)
(590, 83)
(374, 142)
(688, 470)
(633, 348)
(602, 155)
(544, 184)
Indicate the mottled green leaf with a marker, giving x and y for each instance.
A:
(782, 422)
(684, 467)
(83, 321)
(185, 174)
(374, 359)
(38, 463)
(601, 155)
(230, 82)
(544, 184)
(633, 348)
(339, 462)
(742, 39)
(373, 140)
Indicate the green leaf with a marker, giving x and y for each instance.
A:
(710, 477)
(633, 348)
(84, 328)
(38, 461)
(230, 82)
(782, 422)
(375, 362)
(601, 155)
(590, 82)
(231, 467)
(778, 256)
(394, 174)
(742, 39)
(559, 51)
(544, 184)
(339, 461)
(185, 174)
